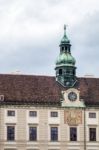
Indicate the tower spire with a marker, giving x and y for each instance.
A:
(65, 63)
(65, 39)
(65, 29)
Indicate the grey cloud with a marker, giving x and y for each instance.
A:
(30, 32)
(86, 38)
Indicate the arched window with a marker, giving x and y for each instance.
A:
(73, 72)
(60, 71)
(62, 48)
(65, 47)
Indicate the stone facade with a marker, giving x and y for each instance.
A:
(43, 122)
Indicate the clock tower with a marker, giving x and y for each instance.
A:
(65, 63)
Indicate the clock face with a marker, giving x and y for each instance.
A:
(72, 96)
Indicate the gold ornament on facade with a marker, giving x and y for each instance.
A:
(73, 117)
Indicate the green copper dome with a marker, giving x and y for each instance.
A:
(65, 63)
(65, 59)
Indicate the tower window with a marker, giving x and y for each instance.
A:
(65, 47)
(69, 49)
(60, 71)
(62, 48)
(73, 72)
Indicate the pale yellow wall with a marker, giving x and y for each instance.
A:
(43, 123)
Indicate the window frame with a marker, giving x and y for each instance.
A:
(11, 113)
(91, 139)
(92, 115)
(33, 138)
(10, 136)
(54, 135)
(54, 114)
(32, 113)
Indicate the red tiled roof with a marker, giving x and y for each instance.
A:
(44, 89)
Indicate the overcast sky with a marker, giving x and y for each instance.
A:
(31, 30)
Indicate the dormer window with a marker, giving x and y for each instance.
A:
(73, 72)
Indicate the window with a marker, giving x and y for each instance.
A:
(74, 72)
(11, 113)
(54, 114)
(10, 133)
(62, 48)
(92, 134)
(65, 47)
(73, 134)
(54, 133)
(33, 133)
(60, 71)
(92, 115)
(33, 113)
